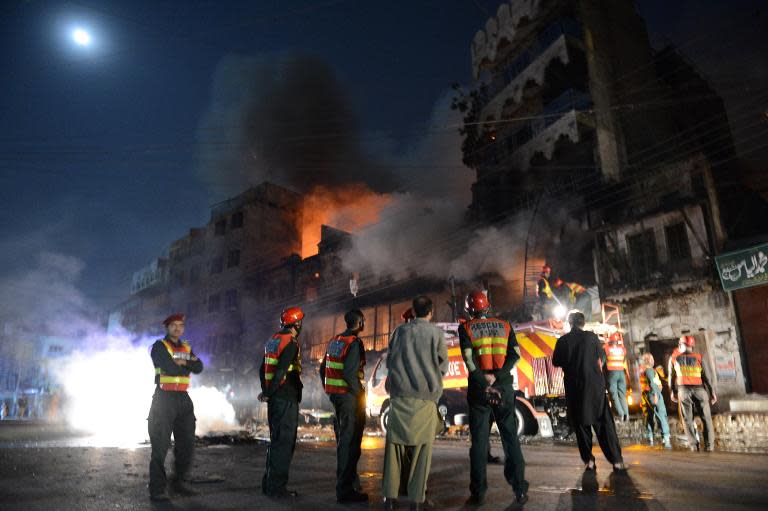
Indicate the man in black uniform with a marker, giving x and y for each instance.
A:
(342, 373)
(490, 351)
(172, 410)
(581, 356)
(280, 375)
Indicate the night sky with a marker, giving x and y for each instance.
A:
(98, 145)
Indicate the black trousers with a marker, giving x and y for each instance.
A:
(479, 428)
(171, 412)
(605, 429)
(348, 425)
(283, 418)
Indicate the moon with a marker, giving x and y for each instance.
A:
(81, 37)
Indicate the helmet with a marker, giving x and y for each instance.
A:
(688, 340)
(408, 315)
(173, 317)
(546, 268)
(477, 302)
(558, 282)
(291, 316)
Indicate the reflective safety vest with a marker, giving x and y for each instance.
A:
(615, 354)
(490, 337)
(335, 357)
(182, 351)
(576, 289)
(545, 290)
(688, 368)
(272, 351)
(645, 385)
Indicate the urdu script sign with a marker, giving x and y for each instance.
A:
(743, 268)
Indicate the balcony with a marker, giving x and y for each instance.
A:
(559, 118)
(508, 82)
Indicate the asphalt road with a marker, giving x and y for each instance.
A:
(70, 477)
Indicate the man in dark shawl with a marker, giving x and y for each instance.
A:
(580, 354)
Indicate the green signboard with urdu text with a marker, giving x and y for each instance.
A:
(743, 268)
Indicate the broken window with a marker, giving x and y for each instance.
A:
(214, 303)
(220, 227)
(677, 242)
(233, 259)
(230, 299)
(643, 257)
(237, 220)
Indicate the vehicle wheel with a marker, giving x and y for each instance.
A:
(442, 408)
(384, 418)
(526, 424)
(520, 422)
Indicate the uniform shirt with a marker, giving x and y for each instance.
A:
(351, 365)
(162, 359)
(673, 374)
(476, 380)
(291, 387)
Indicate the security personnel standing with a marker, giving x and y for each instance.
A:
(689, 382)
(617, 375)
(342, 373)
(652, 402)
(280, 375)
(172, 410)
(490, 352)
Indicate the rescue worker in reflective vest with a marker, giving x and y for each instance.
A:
(490, 352)
(280, 376)
(172, 410)
(689, 382)
(654, 409)
(343, 374)
(617, 375)
(544, 291)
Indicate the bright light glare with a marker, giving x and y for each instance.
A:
(108, 394)
(560, 311)
(81, 37)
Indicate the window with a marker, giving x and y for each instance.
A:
(217, 265)
(233, 259)
(230, 299)
(677, 242)
(214, 303)
(642, 254)
(237, 220)
(220, 228)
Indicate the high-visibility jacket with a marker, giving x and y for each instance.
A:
(616, 355)
(576, 289)
(182, 351)
(645, 385)
(272, 351)
(688, 368)
(335, 358)
(490, 338)
(544, 288)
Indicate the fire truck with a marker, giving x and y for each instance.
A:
(540, 401)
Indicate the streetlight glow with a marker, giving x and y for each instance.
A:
(81, 37)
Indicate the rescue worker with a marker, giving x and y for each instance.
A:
(544, 291)
(490, 352)
(617, 374)
(689, 382)
(280, 375)
(652, 401)
(342, 373)
(580, 355)
(172, 410)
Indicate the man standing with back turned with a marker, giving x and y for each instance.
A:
(417, 359)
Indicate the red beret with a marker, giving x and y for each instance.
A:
(173, 317)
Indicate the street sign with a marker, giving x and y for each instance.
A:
(743, 268)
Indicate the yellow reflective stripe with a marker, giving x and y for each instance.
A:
(690, 371)
(270, 360)
(334, 365)
(174, 379)
(529, 346)
(269, 376)
(336, 382)
(294, 367)
(157, 370)
(484, 341)
(492, 351)
(525, 367)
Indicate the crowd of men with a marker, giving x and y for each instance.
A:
(417, 360)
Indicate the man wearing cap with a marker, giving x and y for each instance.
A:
(172, 410)
(689, 382)
(280, 376)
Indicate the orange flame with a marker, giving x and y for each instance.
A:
(348, 208)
